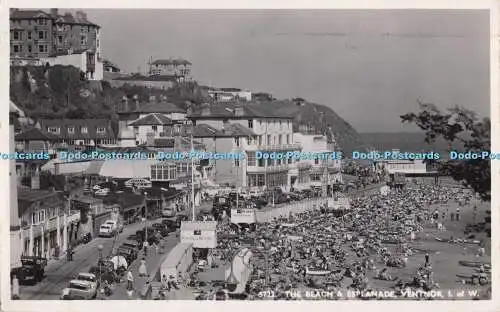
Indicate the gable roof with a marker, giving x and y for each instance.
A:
(152, 119)
(78, 124)
(35, 134)
(230, 130)
(171, 61)
(241, 110)
(29, 14)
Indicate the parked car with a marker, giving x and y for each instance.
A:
(83, 289)
(168, 212)
(32, 269)
(106, 230)
(161, 228)
(129, 253)
(89, 277)
(115, 225)
(102, 192)
(132, 244)
(170, 224)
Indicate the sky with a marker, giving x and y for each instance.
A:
(370, 67)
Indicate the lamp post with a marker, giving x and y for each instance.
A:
(145, 216)
(99, 255)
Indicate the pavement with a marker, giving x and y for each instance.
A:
(58, 273)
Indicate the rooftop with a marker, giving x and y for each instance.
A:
(80, 18)
(202, 226)
(35, 134)
(237, 110)
(230, 130)
(156, 107)
(152, 119)
(171, 61)
(78, 124)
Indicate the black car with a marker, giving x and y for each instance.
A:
(179, 220)
(170, 224)
(129, 253)
(161, 228)
(32, 269)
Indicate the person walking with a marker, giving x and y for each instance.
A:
(15, 288)
(427, 260)
(458, 214)
(143, 271)
(130, 281)
(145, 246)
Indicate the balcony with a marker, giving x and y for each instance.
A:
(50, 225)
(274, 147)
(269, 169)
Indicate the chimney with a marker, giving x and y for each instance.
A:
(239, 111)
(54, 13)
(205, 111)
(79, 16)
(125, 103)
(136, 101)
(35, 180)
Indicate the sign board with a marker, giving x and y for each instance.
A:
(200, 234)
(243, 216)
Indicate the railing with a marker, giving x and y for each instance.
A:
(51, 225)
(290, 209)
(274, 147)
(257, 169)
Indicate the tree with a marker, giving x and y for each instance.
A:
(458, 127)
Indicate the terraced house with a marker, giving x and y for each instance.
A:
(79, 132)
(266, 129)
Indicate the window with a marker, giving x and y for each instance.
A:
(42, 21)
(237, 141)
(30, 35)
(136, 129)
(197, 232)
(101, 130)
(236, 162)
(85, 130)
(274, 140)
(17, 35)
(287, 139)
(17, 48)
(268, 139)
(30, 49)
(71, 129)
(251, 158)
(250, 124)
(155, 128)
(260, 162)
(59, 39)
(279, 140)
(43, 48)
(42, 34)
(52, 130)
(83, 40)
(260, 140)
(41, 215)
(281, 125)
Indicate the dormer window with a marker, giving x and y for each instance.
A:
(101, 130)
(71, 130)
(85, 130)
(52, 129)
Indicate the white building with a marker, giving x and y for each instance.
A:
(320, 171)
(229, 94)
(269, 130)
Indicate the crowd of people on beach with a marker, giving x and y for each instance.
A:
(354, 249)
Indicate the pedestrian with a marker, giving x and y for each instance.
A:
(69, 254)
(427, 259)
(130, 281)
(143, 271)
(15, 288)
(146, 245)
(458, 214)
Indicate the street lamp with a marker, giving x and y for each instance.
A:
(99, 255)
(145, 216)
